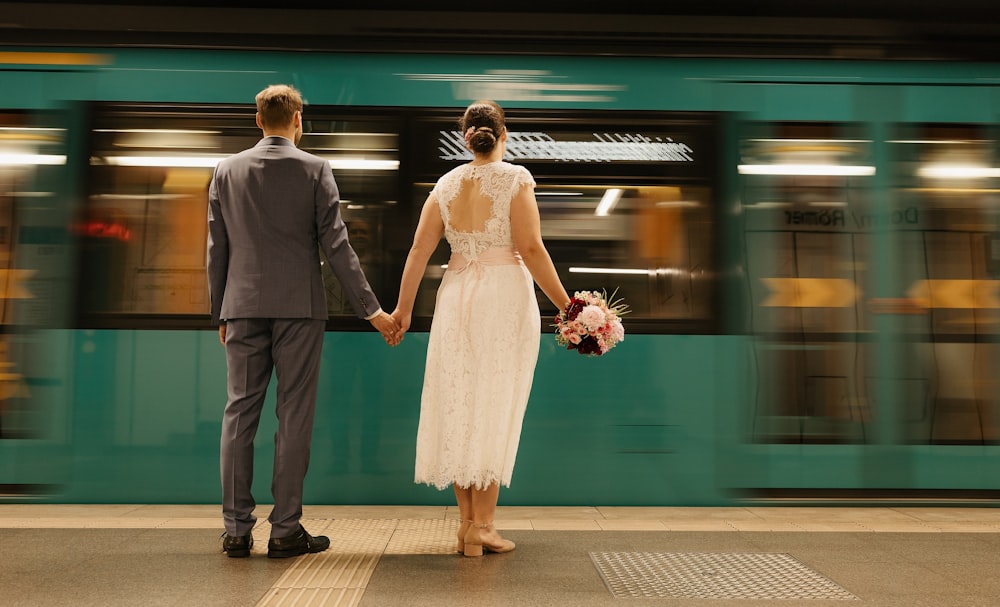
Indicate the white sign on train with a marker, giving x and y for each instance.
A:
(604, 147)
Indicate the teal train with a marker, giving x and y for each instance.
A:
(810, 250)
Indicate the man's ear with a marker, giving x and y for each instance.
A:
(257, 118)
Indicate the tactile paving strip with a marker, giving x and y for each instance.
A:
(336, 577)
(713, 575)
(424, 536)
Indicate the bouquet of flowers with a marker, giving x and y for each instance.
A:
(591, 324)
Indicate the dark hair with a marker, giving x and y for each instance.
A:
(486, 118)
(277, 105)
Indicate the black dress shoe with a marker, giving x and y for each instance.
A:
(298, 543)
(236, 546)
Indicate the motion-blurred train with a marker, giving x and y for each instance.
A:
(811, 252)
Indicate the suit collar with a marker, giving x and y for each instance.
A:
(276, 140)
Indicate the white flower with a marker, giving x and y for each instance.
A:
(592, 318)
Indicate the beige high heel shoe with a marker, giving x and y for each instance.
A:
(475, 544)
(462, 530)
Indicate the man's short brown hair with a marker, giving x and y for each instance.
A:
(277, 104)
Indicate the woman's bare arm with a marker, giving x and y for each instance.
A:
(526, 232)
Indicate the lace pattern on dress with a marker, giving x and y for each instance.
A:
(498, 181)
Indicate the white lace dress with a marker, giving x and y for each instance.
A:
(484, 338)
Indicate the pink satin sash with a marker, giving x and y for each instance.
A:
(496, 256)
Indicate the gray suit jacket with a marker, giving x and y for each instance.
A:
(271, 209)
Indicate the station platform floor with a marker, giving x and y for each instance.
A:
(386, 556)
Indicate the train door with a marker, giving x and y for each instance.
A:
(873, 309)
(35, 188)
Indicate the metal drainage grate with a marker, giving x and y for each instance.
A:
(713, 575)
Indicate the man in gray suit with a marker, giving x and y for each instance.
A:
(271, 209)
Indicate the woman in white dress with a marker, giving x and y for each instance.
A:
(485, 334)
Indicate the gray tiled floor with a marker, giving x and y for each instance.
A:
(94, 555)
(112, 567)
(553, 568)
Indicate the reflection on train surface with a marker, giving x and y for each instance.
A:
(812, 272)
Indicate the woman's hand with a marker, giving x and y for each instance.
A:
(387, 326)
(402, 321)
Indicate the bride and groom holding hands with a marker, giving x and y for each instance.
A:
(271, 208)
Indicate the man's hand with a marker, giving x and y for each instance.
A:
(387, 326)
(403, 320)
(222, 334)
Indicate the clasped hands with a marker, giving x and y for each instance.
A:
(392, 327)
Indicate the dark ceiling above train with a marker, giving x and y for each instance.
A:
(957, 30)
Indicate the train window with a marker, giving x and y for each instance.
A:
(32, 182)
(627, 203)
(947, 233)
(364, 153)
(143, 228)
(807, 217)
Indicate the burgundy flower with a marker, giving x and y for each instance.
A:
(589, 345)
(574, 308)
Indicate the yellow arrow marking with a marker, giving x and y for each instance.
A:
(965, 294)
(12, 284)
(810, 292)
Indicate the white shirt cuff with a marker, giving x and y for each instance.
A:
(374, 314)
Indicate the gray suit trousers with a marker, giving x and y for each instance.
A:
(255, 347)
